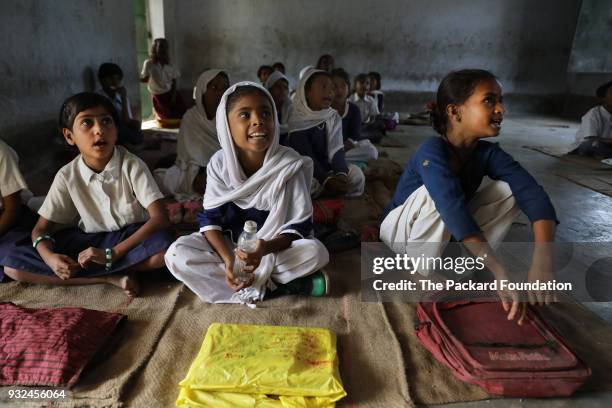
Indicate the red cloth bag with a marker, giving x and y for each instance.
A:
(481, 346)
(327, 211)
(50, 346)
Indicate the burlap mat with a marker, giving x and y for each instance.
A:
(104, 379)
(371, 364)
(584, 161)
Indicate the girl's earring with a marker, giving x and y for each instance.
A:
(458, 117)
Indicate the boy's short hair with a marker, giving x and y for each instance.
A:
(279, 66)
(602, 90)
(263, 68)
(361, 77)
(108, 69)
(76, 104)
(376, 76)
(341, 73)
(324, 58)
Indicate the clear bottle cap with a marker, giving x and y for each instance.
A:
(250, 227)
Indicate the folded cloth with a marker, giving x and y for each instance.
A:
(265, 366)
(51, 347)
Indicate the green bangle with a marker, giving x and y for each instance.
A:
(109, 259)
(42, 238)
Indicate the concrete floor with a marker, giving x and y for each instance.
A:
(585, 216)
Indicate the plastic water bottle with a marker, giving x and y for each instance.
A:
(246, 242)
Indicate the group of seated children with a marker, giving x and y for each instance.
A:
(103, 219)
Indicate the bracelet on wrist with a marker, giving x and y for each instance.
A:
(42, 238)
(109, 259)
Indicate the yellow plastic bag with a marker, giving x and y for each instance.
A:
(264, 367)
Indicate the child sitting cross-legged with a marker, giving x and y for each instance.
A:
(252, 178)
(315, 130)
(122, 225)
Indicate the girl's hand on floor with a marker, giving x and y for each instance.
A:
(541, 297)
(62, 265)
(233, 282)
(252, 259)
(91, 254)
(512, 304)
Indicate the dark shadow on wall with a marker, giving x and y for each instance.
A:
(543, 55)
(89, 79)
(590, 63)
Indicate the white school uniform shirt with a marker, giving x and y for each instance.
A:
(596, 122)
(376, 94)
(160, 76)
(367, 107)
(105, 201)
(11, 179)
(116, 101)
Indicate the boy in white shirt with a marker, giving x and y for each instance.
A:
(11, 185)
(111, 76)
(373, 125)
(15, 219)
(594, 137)
(112, 196)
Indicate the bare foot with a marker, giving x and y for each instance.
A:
(128, 283)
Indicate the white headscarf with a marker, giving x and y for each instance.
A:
(287, 108)
(304, 70)
(275, 76)
(303, 117)
(280, 186)
(197, 139)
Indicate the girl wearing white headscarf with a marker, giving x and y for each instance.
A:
(318, 135)
(197, 141)
(356, 149)
(276, 196)
(283, 103)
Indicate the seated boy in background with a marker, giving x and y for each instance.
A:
(594, 137)
(111, 76)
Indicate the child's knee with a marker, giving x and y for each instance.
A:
(356, 174)
(316, 252)
(172, 255)
(14, 274)
(356, 179)
(156, 261)
(189, 250)
(502, 191)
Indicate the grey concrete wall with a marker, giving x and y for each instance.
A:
(412, 43)
(590, 62)
(52, 49)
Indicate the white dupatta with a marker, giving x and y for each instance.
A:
(280, 186)
(197, 142)
(287, 108)
(303, 117)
